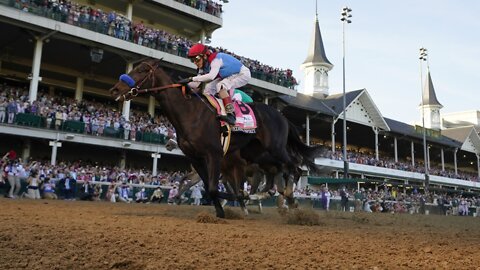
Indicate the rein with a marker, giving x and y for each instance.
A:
(136, 89)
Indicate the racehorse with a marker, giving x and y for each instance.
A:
(199, 131)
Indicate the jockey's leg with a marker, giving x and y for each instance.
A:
(230, 118)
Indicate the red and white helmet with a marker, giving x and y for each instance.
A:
(197, 50)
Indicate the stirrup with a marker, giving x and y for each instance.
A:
(229, 118)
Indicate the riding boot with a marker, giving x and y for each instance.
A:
(230, 118)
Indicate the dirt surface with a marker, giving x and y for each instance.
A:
(100, 235)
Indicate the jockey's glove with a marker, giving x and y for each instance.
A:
(185, 81)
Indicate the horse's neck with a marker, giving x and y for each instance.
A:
(185, 115)
(170, 103)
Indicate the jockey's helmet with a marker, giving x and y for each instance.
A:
(197, 49)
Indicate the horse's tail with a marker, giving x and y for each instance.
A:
(303, 154)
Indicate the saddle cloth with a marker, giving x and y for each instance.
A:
(245, 118)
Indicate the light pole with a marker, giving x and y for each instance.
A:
(346, 19)
(424, 57)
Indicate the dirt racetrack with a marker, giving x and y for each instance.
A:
(100, 235)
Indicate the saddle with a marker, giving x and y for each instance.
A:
(245, 117)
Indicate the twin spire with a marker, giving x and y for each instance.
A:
(429, 96)
(316, 66)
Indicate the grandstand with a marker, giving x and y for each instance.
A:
(59, 59)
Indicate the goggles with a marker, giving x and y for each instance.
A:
(196, 59)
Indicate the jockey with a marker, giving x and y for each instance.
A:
(222, 73)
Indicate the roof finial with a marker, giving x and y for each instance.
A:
(316, 8)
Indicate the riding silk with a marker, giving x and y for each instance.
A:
(127, 80)
(231, 65)
(246, 121)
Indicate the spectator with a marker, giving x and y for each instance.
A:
(344, 199)
(326, 198)
(196, 195)
(33, 188)
(126, 130)
(68, 184)
(11, 110)
(13, 179)
(141, 196)
(124, 193)
(172, 194)
(49, 189)
(87, 191)
(3, 110)
(111, 192)
(157, 195)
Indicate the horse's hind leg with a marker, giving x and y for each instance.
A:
(289, 192)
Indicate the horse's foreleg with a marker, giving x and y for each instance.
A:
(213, 168)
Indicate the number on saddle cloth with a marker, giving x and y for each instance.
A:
(127, 80)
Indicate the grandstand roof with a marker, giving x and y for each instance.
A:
(316, 52)
(309, 103)
(467, 136)
(360, 107)
(409, 130)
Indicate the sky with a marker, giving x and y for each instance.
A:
(382, 46)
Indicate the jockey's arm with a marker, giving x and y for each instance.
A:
(210, 76)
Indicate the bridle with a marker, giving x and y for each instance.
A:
(136, 89)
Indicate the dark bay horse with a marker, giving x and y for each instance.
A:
(199, 131)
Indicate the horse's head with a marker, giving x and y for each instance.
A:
(128, 85)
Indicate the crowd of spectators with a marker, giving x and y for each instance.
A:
(208, 6)
(48, 180)
(389, 162)
(390, 199)
(96, 116)
(117, 25)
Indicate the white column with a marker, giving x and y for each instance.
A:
(123, 160)
(395, 148)
(27, 146)
(54, 144)
(333, 137)
(79, 89)
(35, 76)
(412, 149)
(428, 157)
(126, 104)
(155, 157)
(266, 100)
(375, 130)
(307, 129)
(203, 36)
(443, 159)
(455, 160)
(151, 106)
(478, 165)
(129, 11)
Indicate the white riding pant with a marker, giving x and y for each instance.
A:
(231, 82)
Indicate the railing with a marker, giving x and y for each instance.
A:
(31, 120)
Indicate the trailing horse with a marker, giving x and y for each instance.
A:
(199, 131)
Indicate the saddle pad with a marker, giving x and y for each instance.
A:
(245, 118)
